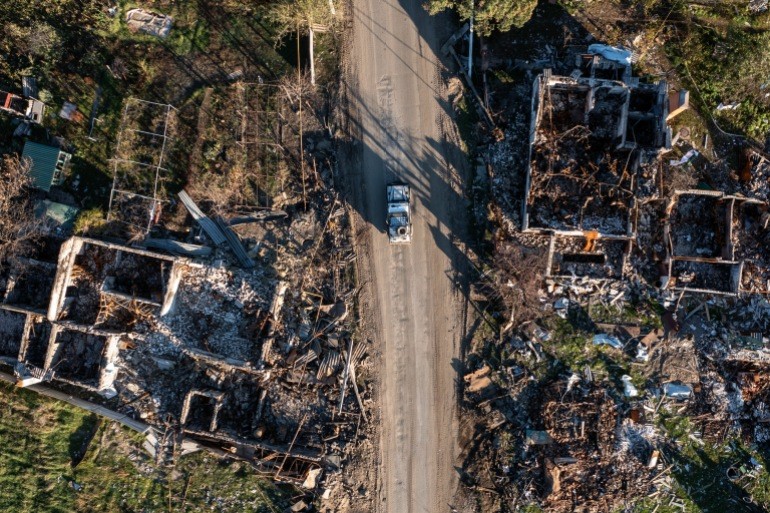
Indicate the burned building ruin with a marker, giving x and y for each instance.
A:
(594, 141)
(596, 171)
(157, 337)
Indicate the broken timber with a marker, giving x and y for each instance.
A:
(293, 463)
(448, 48)
(263, 215)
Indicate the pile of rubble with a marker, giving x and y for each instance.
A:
(630, 293)
(581, 424)
(234, 330)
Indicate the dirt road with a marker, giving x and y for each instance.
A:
(397, 111)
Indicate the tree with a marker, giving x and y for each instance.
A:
(44, 43)
(39, 44)
(18, 224)
(291, 15)
(309, 15)
(488, 15)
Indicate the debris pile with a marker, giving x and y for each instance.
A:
(222, 311)
(629, 300)
(231, 326)
(141, 20)
(578, 189)
(584, 461)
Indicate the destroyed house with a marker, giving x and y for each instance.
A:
(587, 141)
(716, 243)
(29, 108)
(164, 337)
(64, 319)
(93, 275)
(26, 281)
(39, 350)
(595, 137)
(84, 357)
(24, 342)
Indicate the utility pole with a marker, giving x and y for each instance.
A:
(300, 85)
(470, 43)
(312, 54)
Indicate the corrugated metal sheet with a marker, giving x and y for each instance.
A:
(177, 248)
(235, 244)
(211, 229)
(43, 165)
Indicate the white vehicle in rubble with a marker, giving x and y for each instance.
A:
(399, 218)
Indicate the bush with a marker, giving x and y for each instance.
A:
(90, 222)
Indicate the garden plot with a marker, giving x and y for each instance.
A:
(247, 146)
(138, 164)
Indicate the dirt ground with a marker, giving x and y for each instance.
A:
(411, 303)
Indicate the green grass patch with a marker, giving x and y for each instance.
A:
(89, 222)
(652, 506)
(726, 63)
(467, 123)
(700, 471)
(571, 343)
(57, 458)
(645, 314)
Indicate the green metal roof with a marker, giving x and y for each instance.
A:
(43, 166)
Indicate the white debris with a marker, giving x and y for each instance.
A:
(628, 388)
(223, 303)
(677, 391)
(642, 354)
(140, 20)
(687, 157)
(572, 381)
(312, 479)
(612, 53)
(609, 340)
(728, 106)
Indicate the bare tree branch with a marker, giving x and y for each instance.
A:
(18, 225)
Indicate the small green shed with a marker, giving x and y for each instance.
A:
(47, 164)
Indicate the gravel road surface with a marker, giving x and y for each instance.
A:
(397, 112)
